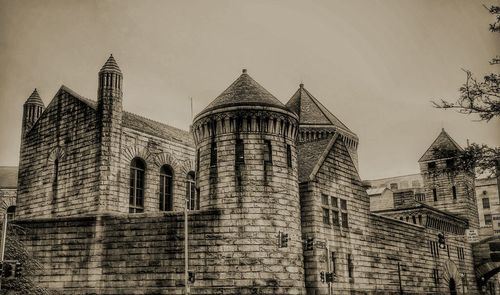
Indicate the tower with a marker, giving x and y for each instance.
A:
(448, 185)
(32, 110)
(109, 113)
(316, 122)
(247, 170)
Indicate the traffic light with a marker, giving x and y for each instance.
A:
(310, 244)
(441, 241)
(191, 277)
(329, 277)
(8, 270)
(19, 269)
(322, 276)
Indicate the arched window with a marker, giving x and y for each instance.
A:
(11, 212)
(136, 201)
(166, 182)
(192, 198)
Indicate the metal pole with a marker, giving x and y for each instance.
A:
(328, 266)
(186, 258)
(4, 238)
(400, 285)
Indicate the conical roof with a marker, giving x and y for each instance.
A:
(34, 98)
(245, 91)
(110, 65)
(311, 111)
(443, 142)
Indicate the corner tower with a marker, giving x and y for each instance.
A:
(109, 112)
(32, 110)
(247, 169)
(448, 185)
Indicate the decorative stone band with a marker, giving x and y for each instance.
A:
(248, 119)
(313, 133)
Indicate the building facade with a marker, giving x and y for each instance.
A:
(275, 201)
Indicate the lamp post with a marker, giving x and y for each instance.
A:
(2, 247)
(186, 251)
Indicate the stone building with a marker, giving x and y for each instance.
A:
(276, 204)
(8, 188)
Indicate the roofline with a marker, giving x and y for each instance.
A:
(244, 106)
(447, 135)
(424, 206)
(392, 177)
(323, 157)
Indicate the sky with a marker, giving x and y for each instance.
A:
(375, 64)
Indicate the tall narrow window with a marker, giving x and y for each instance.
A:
(268, 152)
(350, 266)
(344, 215)
(454, 192)
(289, 156)
(11, 212)
(333, 262)
(436, 276)
(434, 194)
(55, 180)
(213, 154)
(192, 198)
(136, 200)
(239, 152)
(166, 181)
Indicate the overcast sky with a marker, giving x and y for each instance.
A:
(374, 64)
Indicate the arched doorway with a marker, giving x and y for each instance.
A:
(453, 287)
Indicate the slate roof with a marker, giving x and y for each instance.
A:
(34, 98)
(244, 91)
(142, 124)
(111, 65)
(8, 176)
(312, 112)
(309, 153)
(442, 142)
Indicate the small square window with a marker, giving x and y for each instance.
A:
(343, 204)
(324, 199)
(450, 163)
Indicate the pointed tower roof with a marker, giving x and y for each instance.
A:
(110, 65)
(34, 98)
(442, 142)
(312, 112)
(245, 91)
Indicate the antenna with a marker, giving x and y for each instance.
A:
(191, 98)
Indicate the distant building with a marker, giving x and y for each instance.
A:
(8, 190)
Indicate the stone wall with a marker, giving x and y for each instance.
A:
(66, 131)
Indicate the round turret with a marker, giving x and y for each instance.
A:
(247, 169)
(32, 110)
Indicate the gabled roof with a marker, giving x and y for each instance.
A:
(140, 123)
(312, 112)
(8, 176)
(311, 156)
(245, 91)
(443, 142)
(34, 98)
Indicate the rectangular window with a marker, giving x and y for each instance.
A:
(460, 253)
(343, 204)
(333, 261)
(434, 194)
(431, 165)
(213, 154)
(268, 152)
(486, 203)
(487, 219)
(350, 266)
(239, 152)
(454, 192)
(324, 199)
(345, 220)
(326, 216)
(434, 247)
(335, 202)
(450, 163)
(335, 217)
(289, 155)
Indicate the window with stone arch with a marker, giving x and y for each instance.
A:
(136, 197)
(192, 198)
(11, 212)
(166, 188)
